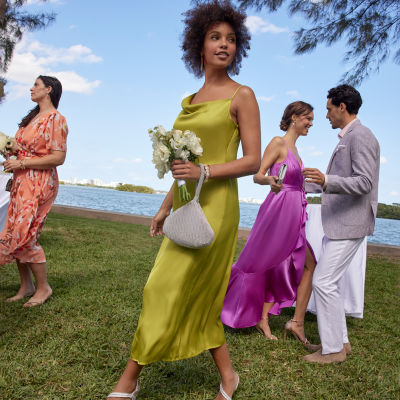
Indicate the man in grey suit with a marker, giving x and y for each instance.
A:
(349, 205)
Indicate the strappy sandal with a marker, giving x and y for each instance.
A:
(131, 396)
(259, 329)
(224, 394)
(305, 343)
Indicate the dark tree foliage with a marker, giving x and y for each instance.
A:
(14, 21)
(370, 27)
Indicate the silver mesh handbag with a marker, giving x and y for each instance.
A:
(188, 226)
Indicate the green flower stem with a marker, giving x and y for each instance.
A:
(184, 195)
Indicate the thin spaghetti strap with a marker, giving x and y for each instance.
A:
(234, 94)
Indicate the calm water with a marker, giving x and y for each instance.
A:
(386, 230)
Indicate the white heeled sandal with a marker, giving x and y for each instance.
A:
(131, 396)
(224, 394)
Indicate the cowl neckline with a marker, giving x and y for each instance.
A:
(194, 107)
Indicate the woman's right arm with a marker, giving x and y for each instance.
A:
(165, 209)
(272, 154)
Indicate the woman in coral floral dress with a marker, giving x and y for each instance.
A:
(40, 148)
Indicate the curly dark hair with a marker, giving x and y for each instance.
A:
(200, 19)
(295, 108)
(348, 95)
(55, 95)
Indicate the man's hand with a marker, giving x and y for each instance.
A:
(314, 175)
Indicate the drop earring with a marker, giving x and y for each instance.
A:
(201, 63)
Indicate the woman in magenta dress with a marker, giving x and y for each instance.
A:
(276, 265)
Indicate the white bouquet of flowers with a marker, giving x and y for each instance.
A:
(6, 144)
(174, 145)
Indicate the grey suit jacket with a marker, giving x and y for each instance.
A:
(350, 200)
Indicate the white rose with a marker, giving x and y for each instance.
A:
(175, 145)
(165, 152)
(161, 130)
(182, 154)
(195, 147)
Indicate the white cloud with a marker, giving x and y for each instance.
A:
(383, 160)
(32, 58)
(306, 148)
(73, 82)
(292, 93)
(258, 25)
(128, 161)
(265, 98)
(310, 151)
(395, 193)
(316, 153)
(51, 55)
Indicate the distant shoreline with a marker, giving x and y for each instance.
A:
(139, 189)
(385, 211)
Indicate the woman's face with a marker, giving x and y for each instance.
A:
(219, 47)
(39, 91)
(303, 123)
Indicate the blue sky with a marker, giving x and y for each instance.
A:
(121, 69)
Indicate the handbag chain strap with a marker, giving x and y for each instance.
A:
(199, 183)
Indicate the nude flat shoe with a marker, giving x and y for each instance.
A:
(346, 346)
(224, 394)
(320, 358)
(131, 396)
(33, 303)
(15, 298)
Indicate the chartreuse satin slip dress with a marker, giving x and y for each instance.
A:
(184, 294)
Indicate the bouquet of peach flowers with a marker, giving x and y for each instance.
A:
(174, 145)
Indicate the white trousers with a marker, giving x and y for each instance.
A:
(336, 256)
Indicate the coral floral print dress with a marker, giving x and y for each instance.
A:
(33, 190)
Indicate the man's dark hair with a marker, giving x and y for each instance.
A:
(348, 95)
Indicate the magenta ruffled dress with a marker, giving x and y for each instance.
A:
(270, 267)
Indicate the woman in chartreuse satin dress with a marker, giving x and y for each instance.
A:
(41, 145)
(183, 297)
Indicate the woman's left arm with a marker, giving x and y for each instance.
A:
(245, 108)
(52, 160)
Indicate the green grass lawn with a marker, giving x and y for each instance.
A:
(76, 345)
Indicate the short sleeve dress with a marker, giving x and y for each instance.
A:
(33, 190)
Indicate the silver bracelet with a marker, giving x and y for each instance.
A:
(206, 172)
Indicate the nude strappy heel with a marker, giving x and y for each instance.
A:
(305, 343)
(259, 329)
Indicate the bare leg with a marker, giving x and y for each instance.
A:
(128, 380)
(27, 287)
(229, 378)
(263, 325)
(303, 295)
(43, 289)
